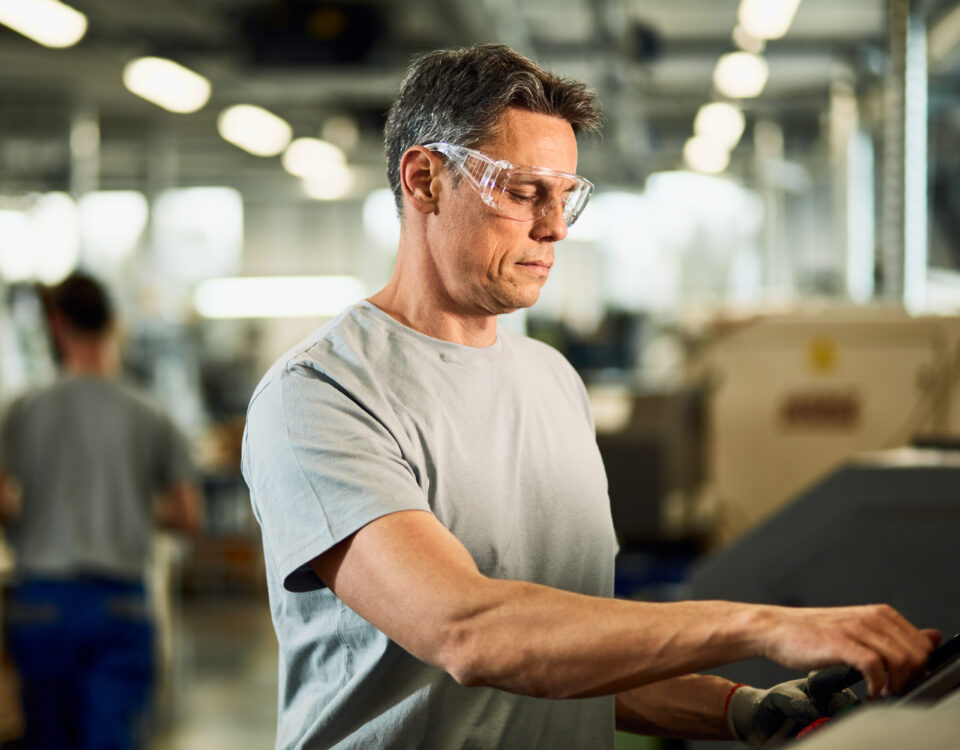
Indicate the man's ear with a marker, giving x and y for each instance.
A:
(60, 329)
(420, 171)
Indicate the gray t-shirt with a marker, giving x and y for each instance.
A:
(368, 417)
(90, 455)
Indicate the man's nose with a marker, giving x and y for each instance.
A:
(551, 226)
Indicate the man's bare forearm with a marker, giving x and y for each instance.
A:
(180, 508)
(692, 706)
(558, 644)
(552, 643)
(409, 577)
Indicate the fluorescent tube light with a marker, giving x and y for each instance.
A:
(767, 19)
(254, 129)
(721, 121)
(47, 22)
(56, 237)
(342, 131)
(166, 84)
(747, 41)
(277, 296)
(111, 224)
(705, 155)
(41, 243)
(309, 157)
(335, 183)
(16, 246)
(740, 75)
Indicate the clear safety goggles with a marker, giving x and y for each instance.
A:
(521, 193)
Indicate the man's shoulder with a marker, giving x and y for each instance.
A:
(93, 392)
(17, 404)
(534, 350)
(64, 387)
(119, 395)
(335, 349)
(136, 397)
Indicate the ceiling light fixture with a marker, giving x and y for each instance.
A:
(254, 129)
(309, 157)
(335, 183)
(741, 75)
(747, 41)
(706, 155)
(342, 131)
(767, 19)
(47, 22)
(721, 121)
(277, 296)
(167, 84)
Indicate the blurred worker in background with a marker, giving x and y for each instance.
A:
(437, 530)
(88, 467)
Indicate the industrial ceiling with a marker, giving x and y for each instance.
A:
(309, 61)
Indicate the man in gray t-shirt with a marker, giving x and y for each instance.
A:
(414, 423)
(434, 510)
(88, 467)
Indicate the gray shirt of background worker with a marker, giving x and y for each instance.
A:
(91, 457)
(474, 245)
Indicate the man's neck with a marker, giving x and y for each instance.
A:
(90, 356)
(416, 298)
(477, 331)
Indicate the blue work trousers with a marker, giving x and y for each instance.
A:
(83, 649)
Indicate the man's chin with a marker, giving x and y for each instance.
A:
(517, 302)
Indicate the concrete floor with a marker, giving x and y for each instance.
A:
(223, 692)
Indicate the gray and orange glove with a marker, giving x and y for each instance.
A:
(766, 718)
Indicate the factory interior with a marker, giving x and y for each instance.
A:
(762, 296)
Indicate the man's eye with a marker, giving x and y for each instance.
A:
(522, 197)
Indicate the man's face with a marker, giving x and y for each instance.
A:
(487, 263)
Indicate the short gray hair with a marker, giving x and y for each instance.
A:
(459, 95)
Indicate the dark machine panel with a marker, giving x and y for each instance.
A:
(885, 528)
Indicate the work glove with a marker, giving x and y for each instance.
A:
(766, 718)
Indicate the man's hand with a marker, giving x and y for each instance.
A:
(876, 640)
(11, 498)
(180, 508)
(764, 718)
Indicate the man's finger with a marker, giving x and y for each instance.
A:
(901, 660)
(914, 640)
(903, 647)
(871, 666)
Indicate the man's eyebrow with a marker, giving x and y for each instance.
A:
(532, 180)
(545, 181)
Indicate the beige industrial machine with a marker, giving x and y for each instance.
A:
(791, 397)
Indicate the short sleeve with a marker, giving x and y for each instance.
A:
(319, 466)
(174, 463)
(9, 442)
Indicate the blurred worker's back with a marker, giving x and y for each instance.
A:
(88, 467)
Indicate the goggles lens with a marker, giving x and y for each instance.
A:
(521, 193)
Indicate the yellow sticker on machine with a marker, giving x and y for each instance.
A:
(822, 355)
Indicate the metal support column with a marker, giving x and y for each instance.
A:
(84, 149)
(904, 229)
